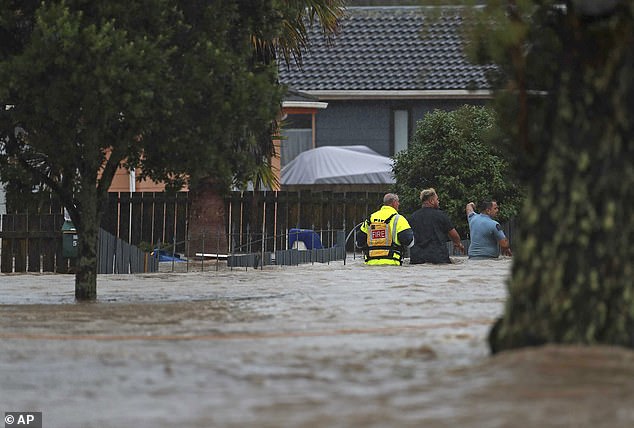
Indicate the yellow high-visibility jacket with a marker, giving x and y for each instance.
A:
(386, 234)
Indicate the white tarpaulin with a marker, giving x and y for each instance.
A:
(338, 165)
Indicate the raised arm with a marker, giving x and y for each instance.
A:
(470, 209)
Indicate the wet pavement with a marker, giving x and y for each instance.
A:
(323, 345)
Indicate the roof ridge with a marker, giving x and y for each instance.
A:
(395, 46)
(421, 7)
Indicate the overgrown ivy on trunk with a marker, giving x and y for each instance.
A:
(572, 276)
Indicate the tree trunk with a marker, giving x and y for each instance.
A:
(86, 276)
(572, 278)
(207, 219)
(88, 230)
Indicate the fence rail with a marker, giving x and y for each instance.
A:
(33, 243)
(275, 214)
(298, 247)
(251, 222)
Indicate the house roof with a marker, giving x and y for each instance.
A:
(297, 99)
(295, 95)
(382, 51)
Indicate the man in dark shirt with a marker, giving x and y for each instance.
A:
(431, 228)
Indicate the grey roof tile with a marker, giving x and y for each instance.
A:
(382, 49)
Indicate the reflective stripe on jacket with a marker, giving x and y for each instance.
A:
(382, 254)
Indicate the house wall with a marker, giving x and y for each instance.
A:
(346, 123)
(121, 183)
(369, 122)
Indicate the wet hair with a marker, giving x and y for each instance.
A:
(390, 198)
(427, 194)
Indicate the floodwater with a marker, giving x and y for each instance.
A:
(323, 345)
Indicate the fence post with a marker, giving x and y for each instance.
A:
(263, 231)
(173, 253)
(187, 253)
(345, 254)
(202, 258)
(217, 250)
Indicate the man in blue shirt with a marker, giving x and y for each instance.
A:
(487, 236)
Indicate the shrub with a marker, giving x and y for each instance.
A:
(456, 152)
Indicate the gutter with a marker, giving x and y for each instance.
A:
(304, 104)
(392, 95)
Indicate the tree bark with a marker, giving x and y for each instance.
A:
(86, 276)
(572, 277)
(89, 199)
(88, 230)
(207, 219)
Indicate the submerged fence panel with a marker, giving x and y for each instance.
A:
(148, 219)
(107, 248)
(117, 256)
(251, 222)
(31, 243)
(282, 211)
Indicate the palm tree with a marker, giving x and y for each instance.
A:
(287, 41)
(296, 17)
(284, 37)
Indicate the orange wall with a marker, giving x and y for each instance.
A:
(121, 183)
(121, 179)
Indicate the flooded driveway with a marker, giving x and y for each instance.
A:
(297, 346)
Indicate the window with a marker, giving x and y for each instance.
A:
(401, 129)
(298, 136)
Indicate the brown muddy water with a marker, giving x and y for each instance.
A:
(298, 346)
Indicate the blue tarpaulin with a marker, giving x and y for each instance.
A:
(165, 256)
(307, 236)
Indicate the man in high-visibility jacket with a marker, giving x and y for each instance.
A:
(385, 235)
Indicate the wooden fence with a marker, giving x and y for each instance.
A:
(33, 243)
(147, 219)
(255, 219)
(266, 219)
(117, 256)
(253, 222)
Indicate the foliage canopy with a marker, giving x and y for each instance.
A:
(176, 88)
(167, 87)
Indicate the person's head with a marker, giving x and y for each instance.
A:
(391, 199)
(429, 198)
(489, 207)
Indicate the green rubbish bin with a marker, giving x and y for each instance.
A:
(70, 240)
